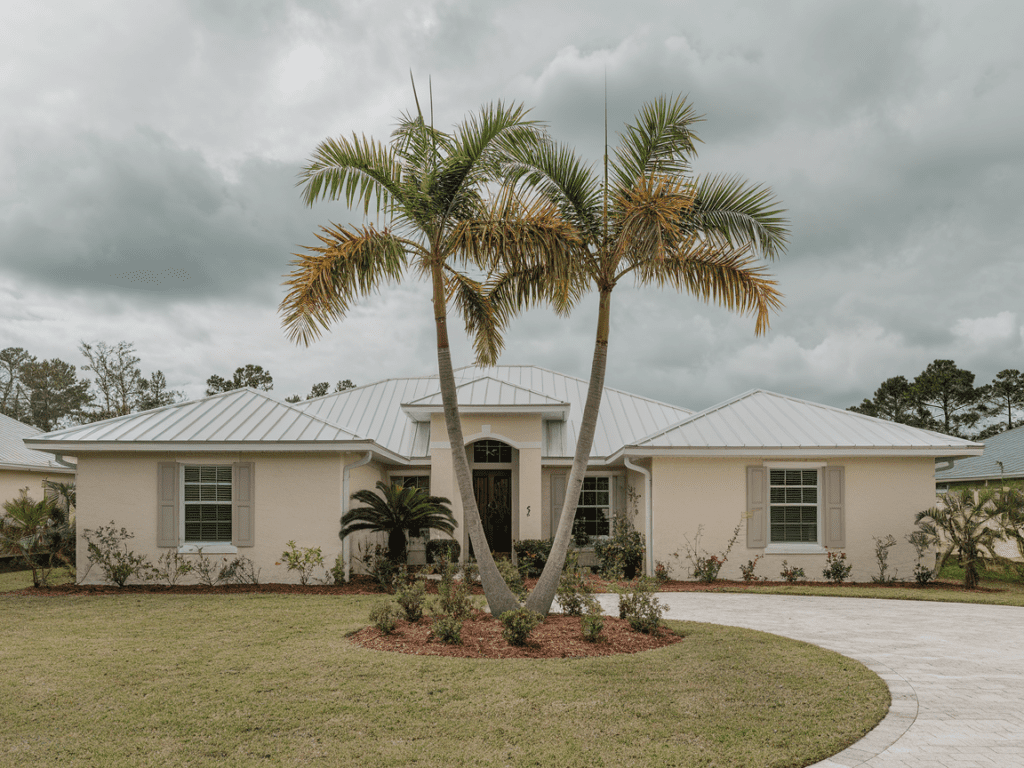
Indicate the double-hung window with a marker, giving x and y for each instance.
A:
(207, 505)
(793, 496)
(594, 511)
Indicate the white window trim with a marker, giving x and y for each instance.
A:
(794, 547)
(194, 547)
(612, 505)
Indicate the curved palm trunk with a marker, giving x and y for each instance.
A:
(544, 593)
(499, 596)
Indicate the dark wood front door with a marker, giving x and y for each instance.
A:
(493, 489)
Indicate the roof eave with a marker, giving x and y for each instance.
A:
(39, 468)
(798, 451)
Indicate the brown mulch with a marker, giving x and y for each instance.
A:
(558, 637)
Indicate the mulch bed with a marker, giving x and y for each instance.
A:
(558, 637)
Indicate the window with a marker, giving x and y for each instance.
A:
(412, 481)
(593, 513)
(207, 501)
(491, 452)
(793, 505)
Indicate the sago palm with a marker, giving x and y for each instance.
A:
(396, 510)
(647, 219)
(429, 186)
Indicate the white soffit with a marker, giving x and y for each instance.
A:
(769, 421)
(239, 416)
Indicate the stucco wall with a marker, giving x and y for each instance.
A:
(13, 480)
(297, 497)
(882, 497)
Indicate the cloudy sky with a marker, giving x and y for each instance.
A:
(148, 154)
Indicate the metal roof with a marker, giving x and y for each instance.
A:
(241, 416)
(15, 455)
(766, 421)
(375, 410)
(490, 394)
(1006, 447)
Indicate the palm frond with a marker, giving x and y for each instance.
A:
(731, 211)
(485, 321)
(359, 169)
(324, 282)
(646, 217)
(661, 141)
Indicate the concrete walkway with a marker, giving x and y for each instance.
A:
(955, 671)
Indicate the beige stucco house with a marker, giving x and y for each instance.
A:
(22, 467)
(241, 473)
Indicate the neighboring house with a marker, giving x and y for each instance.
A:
(242, 473)
(22, 467)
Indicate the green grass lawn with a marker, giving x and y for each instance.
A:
(21, 579)
(272, 680)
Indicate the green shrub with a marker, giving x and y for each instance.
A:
(836, 568)
(574, 592)
(922, 545)
(384, 616)
(443, 549)
(447, 629)
(108, 550)
(303, 560)
(171, 566)
(512, 576)
(412, 599)
(592, 623)
(747, 571)
(661, 571)
(534, 554)
(882, 547)
(791, 573)
(378, 564)
(622, 554)
(241, 570)
(209, 572)
(703, 565)
(518, 624)
(337, 571)
(453, 596)
(641, 608)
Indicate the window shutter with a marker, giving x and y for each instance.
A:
(557, 500)
(757, 507)
(167, 504)
(243, 506)
(835, 508)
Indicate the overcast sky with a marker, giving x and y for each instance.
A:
(148, 155)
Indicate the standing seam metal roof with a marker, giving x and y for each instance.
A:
(1006, 447)
(14, 452)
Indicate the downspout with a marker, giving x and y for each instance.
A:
(346, 547)
(648, 514)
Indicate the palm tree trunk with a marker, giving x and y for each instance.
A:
(544, 593)
(499, 596)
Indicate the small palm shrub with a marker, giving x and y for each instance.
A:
(518, 624)
(837, 570)
(394, 510)
(963, 527)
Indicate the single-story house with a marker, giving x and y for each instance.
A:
(243, 473)
(22, 467)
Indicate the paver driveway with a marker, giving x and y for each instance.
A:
(956, 671)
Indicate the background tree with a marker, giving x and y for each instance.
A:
(430, 185)
(398, 512)
(896, 400)
(117, 380)
(950, 393)
(248, 375)
(344, 384)
(56, 396)
(154, 393)
(13, 394)
(647, 219)
(1001, 397)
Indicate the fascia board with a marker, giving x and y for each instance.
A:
(931, 452)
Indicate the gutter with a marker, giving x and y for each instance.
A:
(346, 546)
(648, 513)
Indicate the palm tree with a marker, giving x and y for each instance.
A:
(644, 218)
(24, 530)
(397, 510)
(964, 525)
(429, 185)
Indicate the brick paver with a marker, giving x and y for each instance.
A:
(955, 671)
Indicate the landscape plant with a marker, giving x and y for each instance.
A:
(791, 573)
(703, 565)
(241, 570)
(209, 570)
(27, 530)
(641, 607)
(379, 565)
(622, 553)
(171, 567)
(574, 591)
(108, 550)
(966, 524)
(533, 553)
(447, 629)
(398, 511)
(336, 573)
(517, 625)
(919, 540)
(412, 599)
(748, 571)
(882, 547)
(447, 550)
(512, 576)
(453, 596)
(1009, 506)
(662, 571)
(384, 616)
(592, 623)
(836, 570)
(305, 560)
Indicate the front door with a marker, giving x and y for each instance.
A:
(493, 489)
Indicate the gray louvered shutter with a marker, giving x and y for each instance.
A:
(557, 500)
(243, 504)
(835, 508)
(757, 507)
(167, 504)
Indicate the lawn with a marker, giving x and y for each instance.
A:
(272, 680)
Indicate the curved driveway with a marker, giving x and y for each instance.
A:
(956, 671)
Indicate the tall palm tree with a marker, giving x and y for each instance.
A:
(645, 217)
(396, 510)
(430, 186)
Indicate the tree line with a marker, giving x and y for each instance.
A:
(49, 394)
(944, 398)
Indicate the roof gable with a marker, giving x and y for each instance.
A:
(489, 393)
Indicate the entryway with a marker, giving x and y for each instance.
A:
(493, 490)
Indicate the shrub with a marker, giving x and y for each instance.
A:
(303, 560)
(35, 531)
(574, 593)
(453, 597)
(412, 599)
(534, 553)
(518, 624)
(384, 616)
(882, 547)
(592, 623)
(747, 571)
(241, 570)
(171, 566)
(922, 546)
(337, 571)
(512, 576)
(446, 549)
(964, 526)
(108, 550)
(379, 565)
(836, 568)
(209, 572)
(661, 571)
(622, 554)
(641, 608)
(791, 573)
(703, 565)
(447, 629)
